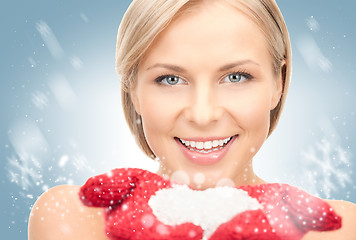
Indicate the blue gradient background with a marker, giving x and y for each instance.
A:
(61, 118)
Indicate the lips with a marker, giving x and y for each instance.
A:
(205, 151)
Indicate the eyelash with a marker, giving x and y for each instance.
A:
(162, 77)
(243, 74)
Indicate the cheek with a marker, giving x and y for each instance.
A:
(158, 113)
(251, 111)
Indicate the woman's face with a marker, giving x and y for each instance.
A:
(204, 91)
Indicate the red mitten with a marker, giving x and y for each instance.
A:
(125, 194)
(292, 212)
(251, 225)
(276, 211)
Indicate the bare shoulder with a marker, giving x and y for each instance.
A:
(347, 211)
(59, 214)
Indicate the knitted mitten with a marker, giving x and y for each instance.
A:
(125, 194)
(286, 212)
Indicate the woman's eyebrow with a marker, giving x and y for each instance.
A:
(168, 66)
(221, 69)
(236, 64)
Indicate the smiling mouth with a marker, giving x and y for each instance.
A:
(205, 146)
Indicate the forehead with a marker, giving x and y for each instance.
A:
(213, 29)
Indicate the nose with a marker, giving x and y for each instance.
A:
(203, 107)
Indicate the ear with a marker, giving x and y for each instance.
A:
(134, 99)
(278, 85)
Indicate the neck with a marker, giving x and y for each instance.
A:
(247, 177)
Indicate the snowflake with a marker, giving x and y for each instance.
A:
(312, 24)
(24, 170)
(80, 162)
(330, 166)
(49, 39)
(40, 100)
(76, 63)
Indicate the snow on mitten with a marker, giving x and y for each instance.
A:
(260, 212)
(143, 205)
(223, 212)
(125, 194)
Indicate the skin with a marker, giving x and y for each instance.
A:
(59, 214)
(203, 104)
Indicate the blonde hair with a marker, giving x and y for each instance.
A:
(144, 20)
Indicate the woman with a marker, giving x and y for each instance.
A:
(203, 86)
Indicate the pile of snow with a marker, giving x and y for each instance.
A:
(207, 209)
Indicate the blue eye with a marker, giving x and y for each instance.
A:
(237, 77)
(169, 80)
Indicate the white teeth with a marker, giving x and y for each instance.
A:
(199, 145)
(205, 151)
(208, 145)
